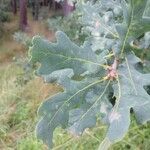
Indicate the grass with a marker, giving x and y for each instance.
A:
(18, 107)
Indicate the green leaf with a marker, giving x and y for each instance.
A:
(55, 110)
(100, 23)
(147, 10)
(129, 93)
(64, 54)
(134, 24)
(60, 62)
(86, 116)
(113, 31)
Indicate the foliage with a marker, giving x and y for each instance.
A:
(27, 75)
(70, 25)
(22, 38)
(4, 15)
(30, 143)
(101, 77)
(4, 11)
(18, 110)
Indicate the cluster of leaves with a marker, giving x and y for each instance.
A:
(5, 11)
(102, 79)
(22, 38)
(27, 74)
(69, 25)
(4, 15)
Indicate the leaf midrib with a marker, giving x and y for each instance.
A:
(72, 58)
(128, 30)
(71, 97)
